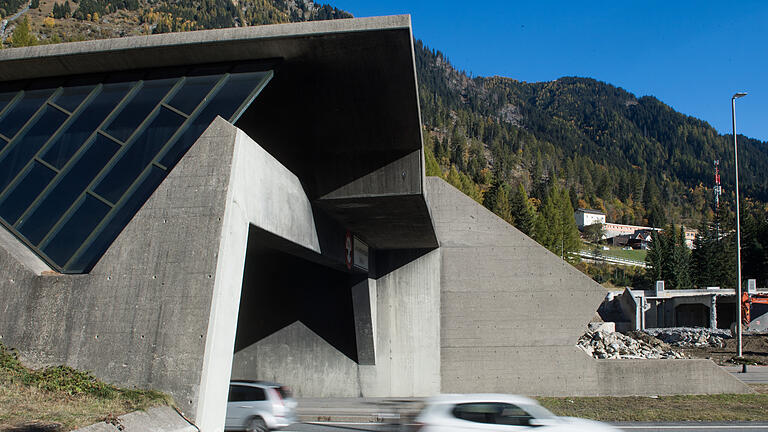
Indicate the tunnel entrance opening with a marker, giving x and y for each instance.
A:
(692, 315)
(726, 313)
(284, 284)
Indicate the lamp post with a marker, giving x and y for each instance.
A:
(738, 228)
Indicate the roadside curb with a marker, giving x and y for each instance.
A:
(158, 419)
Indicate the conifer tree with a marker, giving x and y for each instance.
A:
(523, 215)
(501, 205)
(431, 167)
(555, 226)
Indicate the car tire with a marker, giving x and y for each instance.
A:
(257, 424)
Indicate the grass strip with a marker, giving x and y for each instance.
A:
(63, 395)
(707, 408)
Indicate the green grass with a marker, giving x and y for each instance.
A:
(634, 255)
(726, 407)
(63, 395)
(617, 252)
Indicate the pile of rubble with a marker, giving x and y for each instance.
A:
(613, 345)
(688, 337)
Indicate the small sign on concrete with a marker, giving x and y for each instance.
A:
(360, 254)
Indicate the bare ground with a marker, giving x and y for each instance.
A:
(754, 349)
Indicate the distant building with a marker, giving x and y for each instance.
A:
(690, 236)
(639, 236)
(586, 217)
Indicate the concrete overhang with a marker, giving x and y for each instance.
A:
(341, 112)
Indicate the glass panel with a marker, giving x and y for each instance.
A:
(142, 151)
(226, 101)
(120, 218)
(5, 98)
(71, 97)
(72, 184)
(234, 92)
(21, 196)
(25, 147)
(139, 107)
(72, 234)
(20, 113)
(2, 144)
(78, 131)
(192, 93)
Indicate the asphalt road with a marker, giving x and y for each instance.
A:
(754, 375)
(630, 427)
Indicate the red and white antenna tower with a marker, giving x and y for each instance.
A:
(718, 189)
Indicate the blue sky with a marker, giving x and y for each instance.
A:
(692, 55)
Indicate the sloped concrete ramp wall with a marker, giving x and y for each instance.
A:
(141, 316)
(511, 313)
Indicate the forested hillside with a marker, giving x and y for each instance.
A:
(635, 158)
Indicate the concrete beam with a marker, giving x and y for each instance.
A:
(364, 304)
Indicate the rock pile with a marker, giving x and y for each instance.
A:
(604, 345)
(689, 337)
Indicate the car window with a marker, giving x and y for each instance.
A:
(238, 393)
(483, 412)
(513, 415)
(493, 413)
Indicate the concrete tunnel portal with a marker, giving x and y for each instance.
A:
(283, 285)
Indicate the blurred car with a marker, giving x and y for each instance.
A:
(499, 413)
(259, 406)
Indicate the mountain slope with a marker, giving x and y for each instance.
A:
(613, 150)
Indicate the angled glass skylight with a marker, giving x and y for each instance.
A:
(79, 156)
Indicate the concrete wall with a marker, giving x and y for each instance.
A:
(511, 310)
(664, 377)
(511, 313)
(298, 357)
(402, 319)
(147, 313)
(407, 331)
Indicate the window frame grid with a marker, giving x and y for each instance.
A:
(73, 116)
(79, 255)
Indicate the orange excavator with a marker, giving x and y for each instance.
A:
(747, 300)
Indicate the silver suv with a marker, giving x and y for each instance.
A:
(259, 406)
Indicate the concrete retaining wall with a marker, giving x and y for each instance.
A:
(511, 313)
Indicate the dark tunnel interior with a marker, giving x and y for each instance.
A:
(280, 287)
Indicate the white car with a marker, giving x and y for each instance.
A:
(259, 406)
(497, 413)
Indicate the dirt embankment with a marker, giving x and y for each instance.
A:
(754, 349)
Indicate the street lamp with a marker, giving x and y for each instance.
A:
(738, 229)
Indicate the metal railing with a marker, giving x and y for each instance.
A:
(610, 259)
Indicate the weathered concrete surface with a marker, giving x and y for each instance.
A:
(407, 331)
(665, 377)
(364, 305)
(299, 358)
(159, 419)
(141, 317)
(22, 253)
(512, 312)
